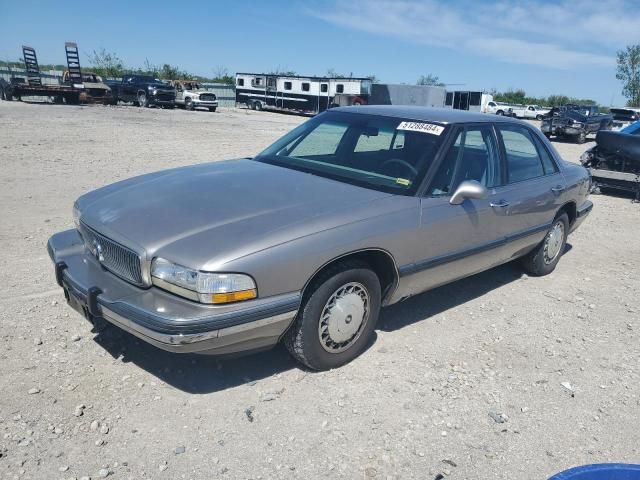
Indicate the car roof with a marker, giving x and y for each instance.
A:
(427, 114)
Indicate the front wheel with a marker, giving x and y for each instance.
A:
(212, 109)
(143, 100)
(544, 258)
(188, 104)
(500, 112)
(581, 138)
(337, 318)
(538, 117)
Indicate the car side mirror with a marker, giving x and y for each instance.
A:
(468, 189)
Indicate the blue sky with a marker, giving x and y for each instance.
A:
(541, 46)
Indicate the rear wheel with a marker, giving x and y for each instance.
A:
(544, 258)
(337, 317)
(258, 105)
(251, 105)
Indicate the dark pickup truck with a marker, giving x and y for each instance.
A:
(143, 90)
(575, 122)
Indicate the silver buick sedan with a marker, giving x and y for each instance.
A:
(356, 209)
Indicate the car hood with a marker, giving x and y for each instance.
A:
(220, 210)
(161, 86)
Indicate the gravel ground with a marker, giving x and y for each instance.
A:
(496, 376)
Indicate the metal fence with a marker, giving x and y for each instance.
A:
(50, 77)
(226, 93)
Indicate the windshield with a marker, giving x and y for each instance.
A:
(383, 153)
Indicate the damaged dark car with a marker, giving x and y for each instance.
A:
(615, 160)
(575, 122)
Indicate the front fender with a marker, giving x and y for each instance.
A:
(288, 266)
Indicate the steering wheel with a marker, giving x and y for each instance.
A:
(401, 162)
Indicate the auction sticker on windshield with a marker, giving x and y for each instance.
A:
(421, 127)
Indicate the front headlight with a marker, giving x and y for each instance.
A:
(203, 287)
(76, 215)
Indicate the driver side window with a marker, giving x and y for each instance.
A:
(473, 156)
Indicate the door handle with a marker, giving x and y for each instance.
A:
(557, 189)
(500, 204)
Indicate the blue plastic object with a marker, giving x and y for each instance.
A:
(602, 471)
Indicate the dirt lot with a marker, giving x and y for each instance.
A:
(427, 398)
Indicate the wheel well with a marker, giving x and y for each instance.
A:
(571, 210)
(380, 261)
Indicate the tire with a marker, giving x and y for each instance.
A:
(581, 138)
(143, 100)
(2, 94)
(251, 105)
(258, 106)
(309, 339)
(538, 117)
(500, 112)
(212, 109)
(539, 262)
(357, 103)
(188, 104)
(548, 135)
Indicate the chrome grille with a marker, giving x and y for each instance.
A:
(207, 97)
(116, 258)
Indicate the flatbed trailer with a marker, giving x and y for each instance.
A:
(60, 93)
(72, 91)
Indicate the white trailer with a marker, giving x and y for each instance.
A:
(467, 100)
(312, 95)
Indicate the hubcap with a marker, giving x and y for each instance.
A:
(553, 243)
(343, 317)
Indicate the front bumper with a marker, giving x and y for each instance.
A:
(204, 103)
(163, 100)
(561, 130)
(161, 318)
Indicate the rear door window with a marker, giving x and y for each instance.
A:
(523, 160)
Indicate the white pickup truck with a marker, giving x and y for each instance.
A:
(498, 108)
(191, 94)
(528, 111)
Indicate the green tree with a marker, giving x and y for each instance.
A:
(106, 64)
(431, 80)
(628, 71)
